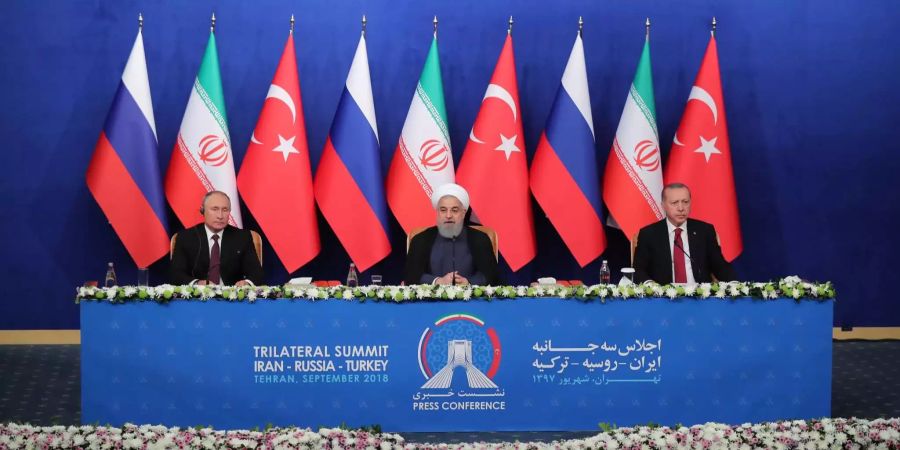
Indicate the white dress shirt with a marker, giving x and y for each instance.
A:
(687, 250)
(209, 239)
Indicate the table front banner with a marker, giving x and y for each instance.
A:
(525, 364)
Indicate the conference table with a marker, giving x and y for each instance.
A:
(520, 363)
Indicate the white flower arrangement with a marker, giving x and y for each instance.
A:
(813, 434)
(790, 287)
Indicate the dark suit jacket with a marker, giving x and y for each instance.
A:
(653, 259)
(418, 259)
(238, 261)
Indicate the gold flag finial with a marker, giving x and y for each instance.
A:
(647, 27)
(435, 22)
(212, 26)
(580, 25)
(292, 24)
(364, 25)
(509, 30)
(140, 21)
(714, 26)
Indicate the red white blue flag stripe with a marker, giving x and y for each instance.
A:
(564, 174)
(349, 185)
(123, 175)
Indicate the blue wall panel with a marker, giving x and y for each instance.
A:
(809, 91)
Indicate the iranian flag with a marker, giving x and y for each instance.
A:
(633, 181)
(423, 159)
(202, 160)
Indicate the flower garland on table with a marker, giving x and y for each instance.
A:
(790, 287)
(813, 434)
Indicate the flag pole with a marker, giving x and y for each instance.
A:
(713, 32)
(292, 24)
(140, 22)
(509, 30)
(647, 27)
(435, 22)
(364, 25)
(580, 25)
(212, 26)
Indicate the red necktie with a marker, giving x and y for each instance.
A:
(678, 258)
(215, 255)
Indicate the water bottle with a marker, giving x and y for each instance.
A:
(352, 276)
(110, 280)
(604, 273)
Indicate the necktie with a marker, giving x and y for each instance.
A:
(214, 256)
(678, 258)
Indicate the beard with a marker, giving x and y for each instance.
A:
(450, 230)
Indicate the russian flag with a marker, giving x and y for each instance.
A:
(564, 174)
(349, 187)
(123, 175)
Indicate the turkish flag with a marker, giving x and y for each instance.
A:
(494, 168)
(275, 180)
(701, 156)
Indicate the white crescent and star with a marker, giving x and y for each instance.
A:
(707, 147)
(285, 146)
(507, 145)
(698, 93)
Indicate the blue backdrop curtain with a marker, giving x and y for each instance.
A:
(809, 91)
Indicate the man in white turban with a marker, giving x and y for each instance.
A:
(450, 252)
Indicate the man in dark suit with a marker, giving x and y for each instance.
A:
(678, 249)
(451, 253)
(214, 252)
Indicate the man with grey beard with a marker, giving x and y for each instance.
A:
(450, 252)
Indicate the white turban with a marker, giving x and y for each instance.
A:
(453, 190)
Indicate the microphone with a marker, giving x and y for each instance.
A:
(453, 260)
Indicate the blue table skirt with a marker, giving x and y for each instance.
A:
(525, 364)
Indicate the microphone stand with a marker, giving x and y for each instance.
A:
(693, 262)
(453, 260)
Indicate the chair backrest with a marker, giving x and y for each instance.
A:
(257, 245)
(491, 234)
(634, 240)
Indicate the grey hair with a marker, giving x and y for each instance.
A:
(674, 186)
(210, 194)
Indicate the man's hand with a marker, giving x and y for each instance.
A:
(242, 283)
(446, 279)
(201, 283)
(461, 279)
(450, 277)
